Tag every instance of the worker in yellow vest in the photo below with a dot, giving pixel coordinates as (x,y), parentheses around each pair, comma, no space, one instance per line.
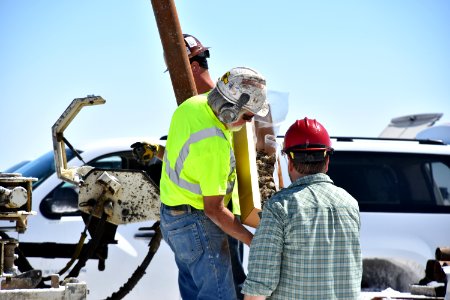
(199,178)
(145,152)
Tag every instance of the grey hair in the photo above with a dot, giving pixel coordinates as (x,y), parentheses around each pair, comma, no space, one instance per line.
(216,101)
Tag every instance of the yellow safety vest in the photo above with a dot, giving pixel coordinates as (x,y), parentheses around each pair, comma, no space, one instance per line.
(199,159)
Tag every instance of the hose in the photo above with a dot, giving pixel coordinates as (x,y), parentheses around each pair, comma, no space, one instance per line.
(153,245)
(92,246)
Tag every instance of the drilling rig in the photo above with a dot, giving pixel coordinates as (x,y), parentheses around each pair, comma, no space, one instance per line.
(15,208)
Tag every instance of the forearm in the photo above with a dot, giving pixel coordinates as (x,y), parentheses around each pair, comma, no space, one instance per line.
(248,297)
(228,222)
(265,257)
(160,153)
(232,226)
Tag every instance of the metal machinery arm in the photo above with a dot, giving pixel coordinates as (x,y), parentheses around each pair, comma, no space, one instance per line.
(115,196)
(64,173)
(126,196)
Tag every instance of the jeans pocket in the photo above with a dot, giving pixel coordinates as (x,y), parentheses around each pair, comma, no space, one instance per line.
(186,243)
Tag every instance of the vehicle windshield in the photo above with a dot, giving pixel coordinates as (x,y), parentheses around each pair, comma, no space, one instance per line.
(15,167)
(42,167)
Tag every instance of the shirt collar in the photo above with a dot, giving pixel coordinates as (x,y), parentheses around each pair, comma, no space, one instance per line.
(310,179)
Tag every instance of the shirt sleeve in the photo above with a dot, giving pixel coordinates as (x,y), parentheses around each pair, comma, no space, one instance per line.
(265,254)
(208,164)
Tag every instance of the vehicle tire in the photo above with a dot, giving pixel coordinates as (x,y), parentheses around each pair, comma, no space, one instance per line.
(380,274)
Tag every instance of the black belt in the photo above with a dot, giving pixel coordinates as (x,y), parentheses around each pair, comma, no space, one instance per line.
(181,207)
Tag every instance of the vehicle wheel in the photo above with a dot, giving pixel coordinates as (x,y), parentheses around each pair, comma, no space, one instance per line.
(380,274)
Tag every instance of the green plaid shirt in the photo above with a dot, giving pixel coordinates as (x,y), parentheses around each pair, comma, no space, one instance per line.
(307,244)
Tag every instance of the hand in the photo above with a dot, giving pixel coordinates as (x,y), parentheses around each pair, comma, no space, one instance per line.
(144,152)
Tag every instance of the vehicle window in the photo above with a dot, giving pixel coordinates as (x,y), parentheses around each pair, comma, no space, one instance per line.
(42,167)
(63,200)
(441,178)
(108,162)
(391,182)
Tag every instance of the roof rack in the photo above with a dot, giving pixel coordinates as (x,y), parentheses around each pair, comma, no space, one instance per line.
(351,139)
(420,141)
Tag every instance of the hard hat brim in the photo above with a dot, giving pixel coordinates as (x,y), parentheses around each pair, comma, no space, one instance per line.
(264,110)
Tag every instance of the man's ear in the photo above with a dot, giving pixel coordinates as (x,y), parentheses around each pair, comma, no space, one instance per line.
(195,67)
(327,163)
(290,165)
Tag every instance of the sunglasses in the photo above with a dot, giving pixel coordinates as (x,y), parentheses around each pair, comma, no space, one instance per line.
(246,117)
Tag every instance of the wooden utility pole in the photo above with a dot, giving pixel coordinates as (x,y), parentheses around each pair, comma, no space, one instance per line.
(174,49)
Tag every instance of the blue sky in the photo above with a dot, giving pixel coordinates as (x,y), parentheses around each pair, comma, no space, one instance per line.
(352,65)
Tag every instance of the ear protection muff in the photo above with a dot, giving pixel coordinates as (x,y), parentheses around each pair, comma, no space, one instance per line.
(229,112)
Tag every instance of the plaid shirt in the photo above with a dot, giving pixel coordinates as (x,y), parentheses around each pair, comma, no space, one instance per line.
(307,244)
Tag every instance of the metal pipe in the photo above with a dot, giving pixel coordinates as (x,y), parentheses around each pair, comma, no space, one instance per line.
(174,49)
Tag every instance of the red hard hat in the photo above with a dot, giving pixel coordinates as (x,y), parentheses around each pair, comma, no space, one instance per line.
(193,46)
(306,135)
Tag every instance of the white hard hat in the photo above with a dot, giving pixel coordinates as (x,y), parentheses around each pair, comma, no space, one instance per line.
(242,80)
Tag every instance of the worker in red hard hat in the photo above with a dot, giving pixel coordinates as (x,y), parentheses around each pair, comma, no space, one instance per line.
(308,146)
(307,244)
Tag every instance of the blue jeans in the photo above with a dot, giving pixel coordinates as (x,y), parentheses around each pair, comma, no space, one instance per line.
(237,257)
(201,253)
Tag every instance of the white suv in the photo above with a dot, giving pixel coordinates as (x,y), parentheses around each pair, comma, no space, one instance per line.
(402,187)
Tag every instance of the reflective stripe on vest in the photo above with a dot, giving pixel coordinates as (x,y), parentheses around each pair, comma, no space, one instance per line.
(174,174)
